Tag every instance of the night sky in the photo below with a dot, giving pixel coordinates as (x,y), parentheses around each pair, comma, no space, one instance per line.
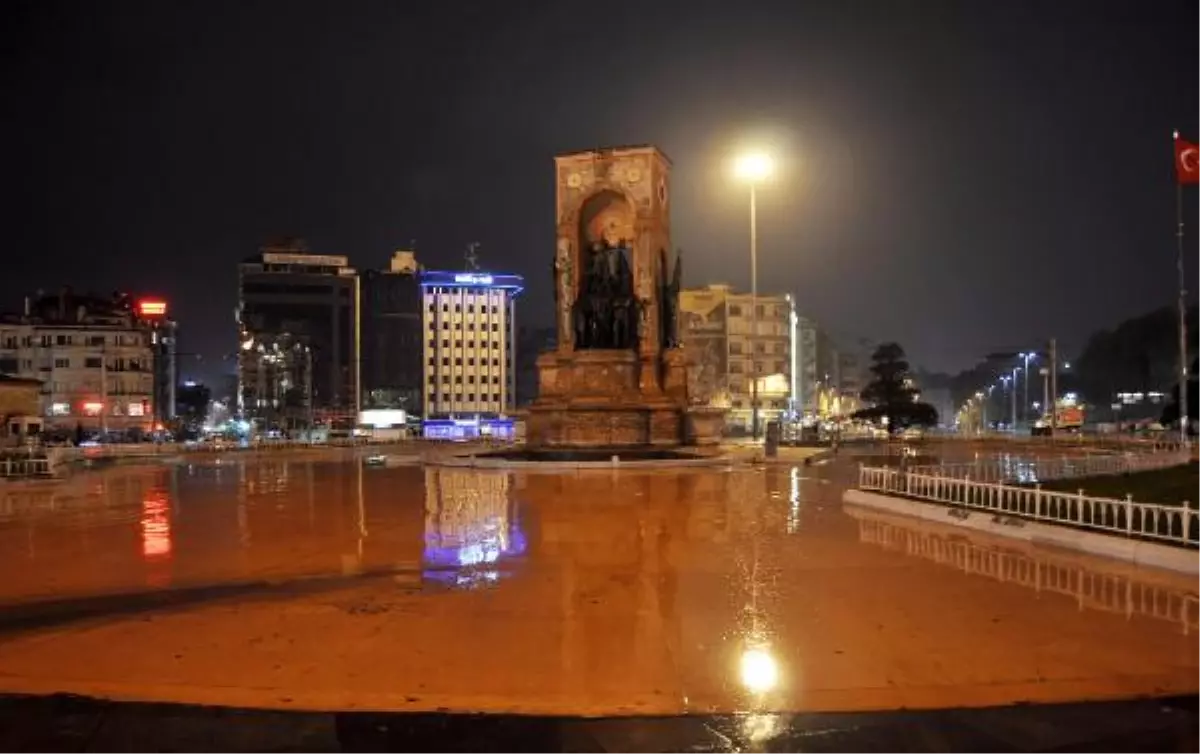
(962,177)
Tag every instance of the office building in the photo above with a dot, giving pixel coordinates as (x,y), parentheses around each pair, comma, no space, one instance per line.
(298,357)
(392,373)
(469,352)
(732,340)
(95,358)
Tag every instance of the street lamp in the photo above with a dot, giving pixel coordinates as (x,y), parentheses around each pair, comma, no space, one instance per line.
(753,168)
(1028,357)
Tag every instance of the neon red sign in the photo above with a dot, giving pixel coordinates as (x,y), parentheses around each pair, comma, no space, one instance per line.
(152,308)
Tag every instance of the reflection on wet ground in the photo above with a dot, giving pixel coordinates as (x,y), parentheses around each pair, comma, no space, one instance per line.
(283,583)
(1092,585)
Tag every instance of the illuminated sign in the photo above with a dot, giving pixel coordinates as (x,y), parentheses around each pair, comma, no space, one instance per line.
(472,279)
(382,418)
(308,260)
(152,308)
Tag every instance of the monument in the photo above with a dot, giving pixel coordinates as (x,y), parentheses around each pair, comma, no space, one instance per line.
(618,376)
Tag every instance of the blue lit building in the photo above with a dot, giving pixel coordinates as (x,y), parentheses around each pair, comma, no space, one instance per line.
(468,323)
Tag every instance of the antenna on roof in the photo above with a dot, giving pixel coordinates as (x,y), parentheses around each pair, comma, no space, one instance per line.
(472,256)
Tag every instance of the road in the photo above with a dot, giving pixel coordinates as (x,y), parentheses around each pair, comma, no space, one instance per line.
(321,584)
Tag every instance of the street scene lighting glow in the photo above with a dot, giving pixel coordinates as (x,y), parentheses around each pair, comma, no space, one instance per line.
(754,166)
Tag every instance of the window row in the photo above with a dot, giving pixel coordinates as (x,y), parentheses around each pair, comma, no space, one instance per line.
(48,341)
(458,379)
(494,344)
(470,361)
(470,308)
(461,397)
(483,326)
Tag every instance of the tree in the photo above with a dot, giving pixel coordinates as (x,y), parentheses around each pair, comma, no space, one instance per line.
(892,394)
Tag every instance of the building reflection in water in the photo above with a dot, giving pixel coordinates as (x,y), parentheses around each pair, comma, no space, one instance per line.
(1111,592)
(156,526)
(470,526)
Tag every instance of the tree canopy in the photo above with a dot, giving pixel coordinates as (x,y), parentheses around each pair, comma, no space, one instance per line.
(892,394)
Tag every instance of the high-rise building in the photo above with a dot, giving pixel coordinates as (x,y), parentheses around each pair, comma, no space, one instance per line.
(95,357)
(298,359)
(817,361)
(734,339)
(392,373)
(469,352)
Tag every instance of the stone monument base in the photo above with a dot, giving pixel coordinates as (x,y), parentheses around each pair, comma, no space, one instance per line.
(603,398)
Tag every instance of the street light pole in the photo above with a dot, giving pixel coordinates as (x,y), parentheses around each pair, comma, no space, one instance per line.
(753,168)
(1025,403)
(753,311)
(1014,401)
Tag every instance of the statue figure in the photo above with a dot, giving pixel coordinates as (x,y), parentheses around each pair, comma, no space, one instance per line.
(603,311)
(564,287)
(671,303)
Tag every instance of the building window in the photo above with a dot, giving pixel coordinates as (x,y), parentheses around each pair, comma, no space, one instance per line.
(92,362)
(62,363)
(445,379)
(136,408)
(458,308)
(60,409)
(47,341)
(758,367)
(445,325)
(445,307)
(779,347)
(735,368)
(458,379)
(735,349)
(470,396)
(445,361)
(735,310)
(495,327)
(471,361)
(496,397)
(63,340)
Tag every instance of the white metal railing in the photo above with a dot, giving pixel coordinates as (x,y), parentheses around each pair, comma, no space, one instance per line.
(1176,524)
(1027,469)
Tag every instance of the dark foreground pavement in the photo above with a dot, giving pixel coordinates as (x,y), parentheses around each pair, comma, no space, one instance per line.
(65,723)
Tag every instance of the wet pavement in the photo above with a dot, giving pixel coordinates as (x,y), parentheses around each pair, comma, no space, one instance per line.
(323,585)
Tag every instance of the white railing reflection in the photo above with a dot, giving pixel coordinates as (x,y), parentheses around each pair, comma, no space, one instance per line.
(1094,590)
(1029,469)
(1176,524)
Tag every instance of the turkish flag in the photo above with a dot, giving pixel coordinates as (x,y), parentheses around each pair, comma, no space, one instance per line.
(1187,161)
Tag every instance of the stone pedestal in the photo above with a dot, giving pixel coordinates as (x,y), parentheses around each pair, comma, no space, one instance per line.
(596,399)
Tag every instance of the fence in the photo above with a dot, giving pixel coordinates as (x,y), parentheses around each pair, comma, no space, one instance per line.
(1027,469)
(1164,523)
(23,466)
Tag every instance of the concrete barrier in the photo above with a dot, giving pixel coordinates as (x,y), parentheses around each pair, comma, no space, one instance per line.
(1152,554)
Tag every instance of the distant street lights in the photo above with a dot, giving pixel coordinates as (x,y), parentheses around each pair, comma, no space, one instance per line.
(753,168)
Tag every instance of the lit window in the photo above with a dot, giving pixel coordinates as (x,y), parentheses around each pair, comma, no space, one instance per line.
(60,409)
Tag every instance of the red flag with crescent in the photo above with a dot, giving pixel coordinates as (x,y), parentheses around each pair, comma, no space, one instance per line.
(1187,161)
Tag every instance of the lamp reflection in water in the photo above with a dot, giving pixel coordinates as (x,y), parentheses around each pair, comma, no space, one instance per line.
(760,672)
(470,525)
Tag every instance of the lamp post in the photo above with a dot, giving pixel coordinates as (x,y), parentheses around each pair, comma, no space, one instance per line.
(753,168)
(1028,357)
